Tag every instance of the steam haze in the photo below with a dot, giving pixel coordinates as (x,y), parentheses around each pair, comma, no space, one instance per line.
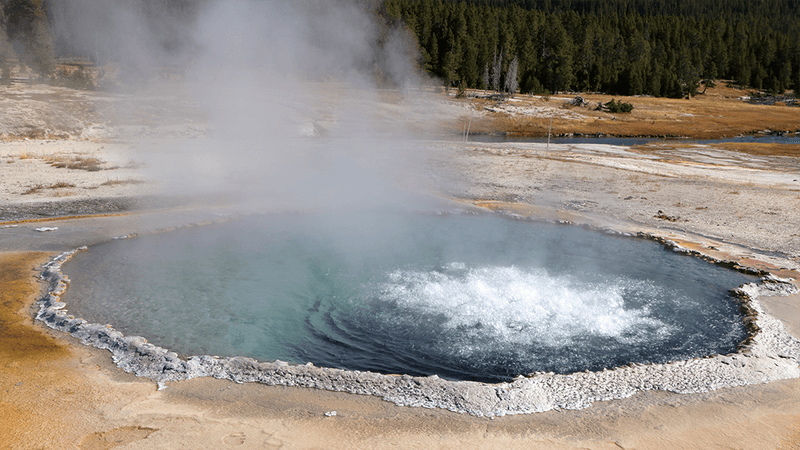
(288,89)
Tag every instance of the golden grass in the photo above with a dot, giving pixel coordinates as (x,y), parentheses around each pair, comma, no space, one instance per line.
(61,161)
(718,113)
(40,187)
(87,163)
(117,182)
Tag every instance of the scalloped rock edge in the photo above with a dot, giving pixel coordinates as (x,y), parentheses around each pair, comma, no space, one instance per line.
(769,354)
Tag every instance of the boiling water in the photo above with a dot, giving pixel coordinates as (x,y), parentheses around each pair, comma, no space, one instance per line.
(477,297)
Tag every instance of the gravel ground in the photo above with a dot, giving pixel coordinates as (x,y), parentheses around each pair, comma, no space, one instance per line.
(710,193)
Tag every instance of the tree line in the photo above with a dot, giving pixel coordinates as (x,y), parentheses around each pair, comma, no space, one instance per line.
(24,31)
(139,36)
(626,47)
(623,47)
(37,31)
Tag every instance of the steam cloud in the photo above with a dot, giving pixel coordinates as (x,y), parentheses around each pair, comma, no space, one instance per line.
(289,90)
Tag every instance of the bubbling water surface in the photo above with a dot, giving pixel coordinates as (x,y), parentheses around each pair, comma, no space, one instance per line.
(478,297)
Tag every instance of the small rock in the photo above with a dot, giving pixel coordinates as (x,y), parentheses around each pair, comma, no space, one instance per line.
(663,216)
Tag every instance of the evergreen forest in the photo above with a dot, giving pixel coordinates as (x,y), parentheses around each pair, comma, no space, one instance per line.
(662,48)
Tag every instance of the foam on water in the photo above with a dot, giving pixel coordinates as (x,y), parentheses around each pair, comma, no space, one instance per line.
(506,319)
(515,306)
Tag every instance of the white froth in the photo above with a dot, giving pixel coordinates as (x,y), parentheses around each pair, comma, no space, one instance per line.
(509,305)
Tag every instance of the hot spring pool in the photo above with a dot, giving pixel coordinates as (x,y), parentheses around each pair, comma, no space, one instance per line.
(464,296)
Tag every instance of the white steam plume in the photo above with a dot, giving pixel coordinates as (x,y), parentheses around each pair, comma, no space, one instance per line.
(288,89)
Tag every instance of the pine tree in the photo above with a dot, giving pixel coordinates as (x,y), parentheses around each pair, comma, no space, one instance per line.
(785,77)
(451,61)
(557,56)
(469,70)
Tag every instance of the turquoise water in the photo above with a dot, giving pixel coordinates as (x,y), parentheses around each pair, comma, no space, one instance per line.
(463,296)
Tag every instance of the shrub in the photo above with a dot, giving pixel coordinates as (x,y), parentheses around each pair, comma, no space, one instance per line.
(462,90)
(618,107)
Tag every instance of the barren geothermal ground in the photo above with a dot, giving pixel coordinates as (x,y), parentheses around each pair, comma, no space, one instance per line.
(75,169)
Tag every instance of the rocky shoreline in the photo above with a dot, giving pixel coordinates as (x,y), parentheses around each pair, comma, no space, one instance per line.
(58,209)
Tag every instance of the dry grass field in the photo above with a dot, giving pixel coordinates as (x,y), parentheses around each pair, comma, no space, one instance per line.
(718,113)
